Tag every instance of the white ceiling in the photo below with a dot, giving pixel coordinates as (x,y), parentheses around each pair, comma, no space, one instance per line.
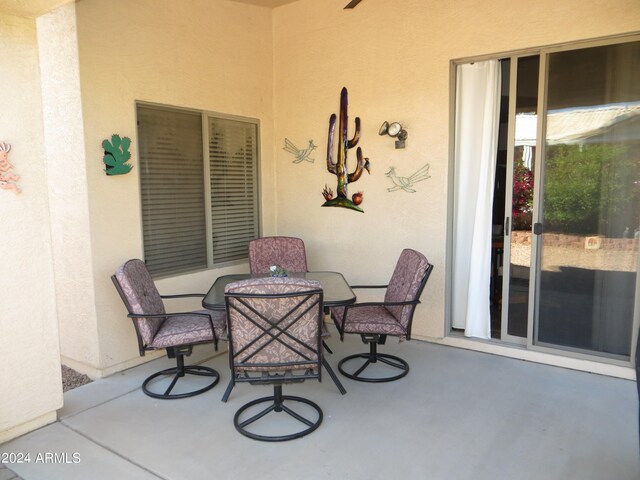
(34,8)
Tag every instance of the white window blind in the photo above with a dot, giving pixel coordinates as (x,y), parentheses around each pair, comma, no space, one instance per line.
(234,206)
(174,191)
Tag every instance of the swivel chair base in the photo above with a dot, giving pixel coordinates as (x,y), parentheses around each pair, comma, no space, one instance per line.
(178,372)
(374,357)
(277,404)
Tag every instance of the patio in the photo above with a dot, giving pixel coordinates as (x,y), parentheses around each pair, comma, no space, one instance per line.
(457,415)
(76,73)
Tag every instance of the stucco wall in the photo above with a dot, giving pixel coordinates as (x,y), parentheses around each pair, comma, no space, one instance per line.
(30,375)
(211,55)
(394,58)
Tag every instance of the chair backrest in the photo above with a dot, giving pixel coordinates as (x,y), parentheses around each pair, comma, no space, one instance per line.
(288,252)
(140,295)
(274,324)
(407,282)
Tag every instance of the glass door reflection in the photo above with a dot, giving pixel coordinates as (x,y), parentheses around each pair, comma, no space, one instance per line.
(590,201)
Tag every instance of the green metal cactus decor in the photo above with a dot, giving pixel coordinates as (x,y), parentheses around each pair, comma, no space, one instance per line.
(116,155)
(339,168)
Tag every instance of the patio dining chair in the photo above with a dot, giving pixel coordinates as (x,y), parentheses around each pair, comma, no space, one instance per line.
(176,333)
(287,252)
(274,339)
(374,321)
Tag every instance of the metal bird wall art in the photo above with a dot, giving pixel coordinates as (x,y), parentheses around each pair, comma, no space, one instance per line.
(300,154)
(406,183)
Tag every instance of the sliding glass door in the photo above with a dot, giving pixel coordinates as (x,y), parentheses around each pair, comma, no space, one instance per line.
(565,225)
(589,209)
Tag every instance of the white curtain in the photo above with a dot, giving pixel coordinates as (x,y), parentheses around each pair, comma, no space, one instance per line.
(476,146)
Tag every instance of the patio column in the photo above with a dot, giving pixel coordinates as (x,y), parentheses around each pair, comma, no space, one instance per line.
(68,188)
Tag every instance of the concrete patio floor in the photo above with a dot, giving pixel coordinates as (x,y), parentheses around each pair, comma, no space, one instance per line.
(457,415)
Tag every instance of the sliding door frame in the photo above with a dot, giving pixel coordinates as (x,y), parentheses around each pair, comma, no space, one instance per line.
(508,200)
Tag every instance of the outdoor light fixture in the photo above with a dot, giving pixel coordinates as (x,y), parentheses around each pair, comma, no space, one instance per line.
(394,130)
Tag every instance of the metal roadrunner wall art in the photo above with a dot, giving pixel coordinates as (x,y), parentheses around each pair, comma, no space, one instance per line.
(300,154)
(406,183)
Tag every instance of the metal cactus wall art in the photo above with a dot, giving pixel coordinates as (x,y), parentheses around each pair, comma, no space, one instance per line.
(116,155)
(7,178)
(339,167)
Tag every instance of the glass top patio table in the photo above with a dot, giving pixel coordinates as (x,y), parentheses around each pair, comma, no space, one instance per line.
(336,290)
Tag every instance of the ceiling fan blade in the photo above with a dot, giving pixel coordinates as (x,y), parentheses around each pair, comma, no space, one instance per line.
(352,4)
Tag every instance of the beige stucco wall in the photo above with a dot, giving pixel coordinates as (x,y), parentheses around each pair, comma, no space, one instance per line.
(211,55)
(30,375)
(395,61)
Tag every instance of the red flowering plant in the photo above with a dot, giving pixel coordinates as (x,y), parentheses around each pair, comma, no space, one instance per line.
(522,202)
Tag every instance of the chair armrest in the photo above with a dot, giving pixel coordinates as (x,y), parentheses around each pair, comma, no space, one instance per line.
(172,314)
(383,304)
(148,315)
(184,295)
(368,286)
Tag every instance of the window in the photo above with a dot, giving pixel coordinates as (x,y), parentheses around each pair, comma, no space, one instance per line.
(199,188)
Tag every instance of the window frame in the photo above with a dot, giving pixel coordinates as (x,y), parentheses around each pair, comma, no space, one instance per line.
(205,115)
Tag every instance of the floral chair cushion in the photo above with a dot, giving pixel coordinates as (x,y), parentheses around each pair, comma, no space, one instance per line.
(253,322)
(374,319)
(141,296)
(288,252)
(405,284)
(189,329)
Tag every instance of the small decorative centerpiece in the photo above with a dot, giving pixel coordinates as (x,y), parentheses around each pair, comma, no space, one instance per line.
(277,271)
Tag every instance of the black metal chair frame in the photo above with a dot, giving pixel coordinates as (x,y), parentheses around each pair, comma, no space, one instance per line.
(177,352)
(277,400)
(374,339)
